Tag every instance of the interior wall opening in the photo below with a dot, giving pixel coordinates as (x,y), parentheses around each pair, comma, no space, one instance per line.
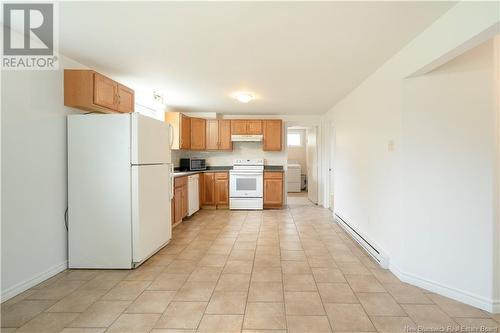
(302,165)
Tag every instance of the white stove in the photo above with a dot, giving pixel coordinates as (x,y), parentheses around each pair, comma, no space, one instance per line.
(246,184)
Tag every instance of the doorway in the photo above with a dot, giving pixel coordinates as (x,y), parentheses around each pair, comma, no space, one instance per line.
(302,165)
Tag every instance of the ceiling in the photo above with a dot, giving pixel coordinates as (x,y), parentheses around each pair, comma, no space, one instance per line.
(297,57)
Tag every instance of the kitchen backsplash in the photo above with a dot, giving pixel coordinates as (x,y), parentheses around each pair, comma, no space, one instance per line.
(240,150)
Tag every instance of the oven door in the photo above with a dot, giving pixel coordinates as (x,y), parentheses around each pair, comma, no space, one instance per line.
(246,184)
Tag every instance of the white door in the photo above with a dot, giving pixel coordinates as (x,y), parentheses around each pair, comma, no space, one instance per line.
(150,140)
(151,194)
(312,165)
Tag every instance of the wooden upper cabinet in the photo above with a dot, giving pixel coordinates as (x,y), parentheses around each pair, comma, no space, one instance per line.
(254,127)
(273,135)
(238,127)
(105,92)
(125,99)
(273,189)
(218,135)
(181,130)
(212,140)
(198,134)
(185,132)
(225,142)
(215,134)
(243,126)
(90,91)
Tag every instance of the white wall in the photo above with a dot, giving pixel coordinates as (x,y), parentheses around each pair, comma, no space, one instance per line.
(414,158)
(497,168)
(298,154)
(447,158)
(34,239)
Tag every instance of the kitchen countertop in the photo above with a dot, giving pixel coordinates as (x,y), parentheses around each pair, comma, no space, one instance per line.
(178,173)
(273,168)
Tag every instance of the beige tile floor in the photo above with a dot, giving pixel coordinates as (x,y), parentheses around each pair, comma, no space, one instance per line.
(290,270)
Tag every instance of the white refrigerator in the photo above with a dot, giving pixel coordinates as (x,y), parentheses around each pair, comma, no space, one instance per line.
(120,183)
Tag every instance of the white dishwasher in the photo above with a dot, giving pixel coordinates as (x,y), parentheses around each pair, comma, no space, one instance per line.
(193,194)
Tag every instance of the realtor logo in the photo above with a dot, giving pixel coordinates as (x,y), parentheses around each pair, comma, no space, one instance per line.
(28,36)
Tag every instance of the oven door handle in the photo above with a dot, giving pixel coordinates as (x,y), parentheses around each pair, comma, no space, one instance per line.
(246,173)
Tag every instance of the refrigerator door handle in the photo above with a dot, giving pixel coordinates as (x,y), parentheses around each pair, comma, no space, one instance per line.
(171,181)
(171,134)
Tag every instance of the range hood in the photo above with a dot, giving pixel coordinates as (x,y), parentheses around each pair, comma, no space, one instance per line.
(247,138)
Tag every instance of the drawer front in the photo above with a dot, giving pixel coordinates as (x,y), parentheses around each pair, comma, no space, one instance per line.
(221,175)
(273,175)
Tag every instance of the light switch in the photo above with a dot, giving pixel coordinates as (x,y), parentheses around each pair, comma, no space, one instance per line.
(390,146)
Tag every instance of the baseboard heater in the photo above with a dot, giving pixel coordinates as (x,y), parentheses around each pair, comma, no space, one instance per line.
(370,248)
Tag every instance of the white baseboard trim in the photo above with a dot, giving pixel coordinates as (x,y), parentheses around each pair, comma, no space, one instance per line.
(373,250)
(25,285)
(496,306)
(463,296)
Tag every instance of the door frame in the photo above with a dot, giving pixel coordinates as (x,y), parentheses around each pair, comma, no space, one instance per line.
(331,168)
(319,155)
(315,162)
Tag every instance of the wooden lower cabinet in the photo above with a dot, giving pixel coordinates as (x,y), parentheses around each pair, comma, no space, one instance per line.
(207,196)
(221,184)
(177,205)
(180,201)
(215,191)
(273,189)
(184,201)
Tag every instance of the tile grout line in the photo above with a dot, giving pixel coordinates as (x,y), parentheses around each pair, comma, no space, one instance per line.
(314,278)
(251,274)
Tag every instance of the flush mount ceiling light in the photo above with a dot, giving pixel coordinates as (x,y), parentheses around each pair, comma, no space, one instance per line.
(243,96)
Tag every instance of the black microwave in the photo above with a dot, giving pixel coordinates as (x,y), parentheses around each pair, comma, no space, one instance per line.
(193,164)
